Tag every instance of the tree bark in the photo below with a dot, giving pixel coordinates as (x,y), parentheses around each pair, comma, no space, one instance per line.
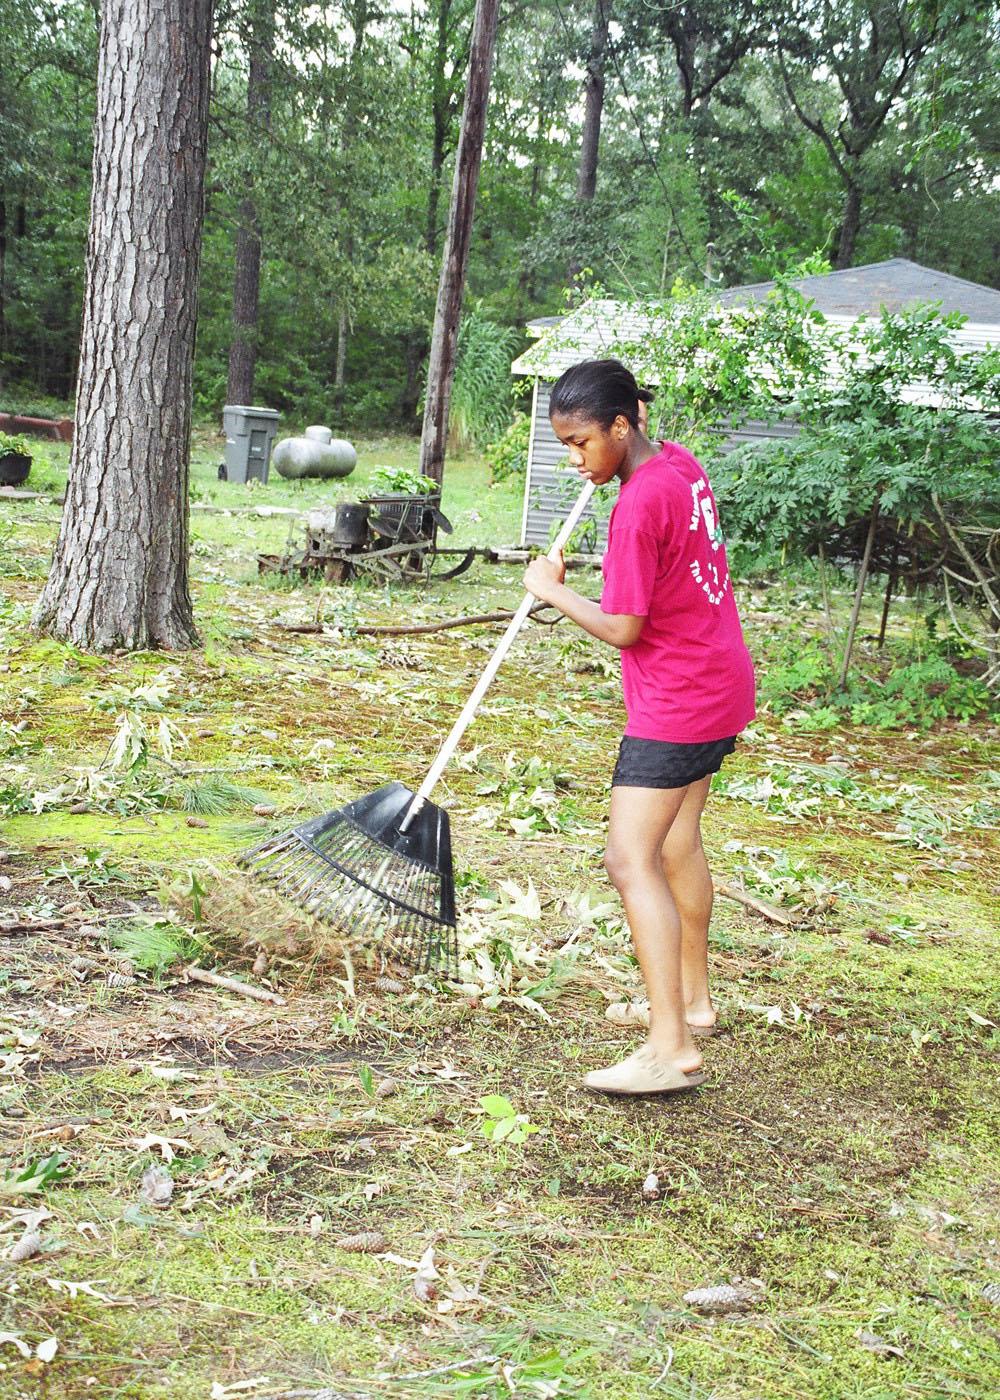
(593,91)
(246,281)
(119,577)
(441,369)
(849,228)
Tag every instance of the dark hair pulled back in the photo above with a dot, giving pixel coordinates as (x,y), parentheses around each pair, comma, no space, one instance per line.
(598,391)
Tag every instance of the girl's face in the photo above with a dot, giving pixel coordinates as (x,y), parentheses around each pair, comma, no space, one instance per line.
(597,453)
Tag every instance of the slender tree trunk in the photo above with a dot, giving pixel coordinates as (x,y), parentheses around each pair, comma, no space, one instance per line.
(441,122)
(593,110)
(441,370)
(359,15)
(593,90)
(3,276)
(849,227)
(246,281)
(338,373)
(119,577)
(859,593)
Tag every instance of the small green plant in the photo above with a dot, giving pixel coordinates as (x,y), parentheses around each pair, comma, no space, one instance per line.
(215,794)
(35,1177)
(93,869)
(401,481)
(503,1123)
(16,443)
(154,943)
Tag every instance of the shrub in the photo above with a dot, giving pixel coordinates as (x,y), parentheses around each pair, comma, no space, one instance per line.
(508,455)
(480,394)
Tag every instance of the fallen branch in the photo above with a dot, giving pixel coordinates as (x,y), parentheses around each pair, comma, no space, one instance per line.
(12,926)
(373,630)
(759,906)
(231,984)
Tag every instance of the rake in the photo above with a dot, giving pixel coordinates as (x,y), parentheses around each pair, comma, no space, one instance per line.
(380,869)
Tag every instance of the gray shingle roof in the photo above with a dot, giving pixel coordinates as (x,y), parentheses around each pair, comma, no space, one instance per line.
(893,284)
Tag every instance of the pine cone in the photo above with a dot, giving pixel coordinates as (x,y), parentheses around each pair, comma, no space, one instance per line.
(368,1242)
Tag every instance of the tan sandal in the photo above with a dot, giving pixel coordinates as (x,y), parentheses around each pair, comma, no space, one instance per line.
(636,1013)
(643,1073)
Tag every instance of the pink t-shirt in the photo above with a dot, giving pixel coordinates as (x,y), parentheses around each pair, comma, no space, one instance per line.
(689,678)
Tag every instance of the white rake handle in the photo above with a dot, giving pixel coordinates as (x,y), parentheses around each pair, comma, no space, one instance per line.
(492,666)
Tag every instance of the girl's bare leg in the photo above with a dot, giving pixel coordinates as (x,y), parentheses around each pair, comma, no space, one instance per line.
(640,821)
(687,874)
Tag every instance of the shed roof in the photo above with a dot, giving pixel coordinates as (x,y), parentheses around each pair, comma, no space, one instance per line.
(843,297)
(893,285)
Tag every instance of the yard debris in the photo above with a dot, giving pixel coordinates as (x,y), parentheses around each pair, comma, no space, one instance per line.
(725,1297)
(991,1294)
(264,809)
(83,968)
(391,986)
(222,1392)
(759,906)
(164,1145)
(261,963)
(425,1279)
(120,979)
(367,1242)
(385,1088)
(27,1247)
(199,822)
(651,1187)
(872,1342)
(157,1187)
(75,1286)
(230,984)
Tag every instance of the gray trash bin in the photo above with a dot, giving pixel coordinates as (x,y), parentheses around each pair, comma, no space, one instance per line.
(249,435)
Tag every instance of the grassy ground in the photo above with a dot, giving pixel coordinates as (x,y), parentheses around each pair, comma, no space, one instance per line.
(843,1156)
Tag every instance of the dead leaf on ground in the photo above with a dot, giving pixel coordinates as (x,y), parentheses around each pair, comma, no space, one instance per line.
(164,1145)
(871,1341)
(157,1187)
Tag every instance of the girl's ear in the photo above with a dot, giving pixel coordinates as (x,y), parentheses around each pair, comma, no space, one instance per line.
(620,427)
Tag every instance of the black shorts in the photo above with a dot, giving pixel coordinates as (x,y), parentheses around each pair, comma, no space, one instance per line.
(655,763)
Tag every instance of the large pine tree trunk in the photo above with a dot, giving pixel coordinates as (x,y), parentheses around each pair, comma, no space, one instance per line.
(246,282)
(119,577)
(441,369)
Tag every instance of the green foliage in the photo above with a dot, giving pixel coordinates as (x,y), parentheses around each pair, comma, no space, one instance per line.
(919,694)
(862,440)
(481,391)
(154,943)
(508,455)
(503,1123)
(37,1176)
(14,443)
(215,794)
(387,481)
(94,869)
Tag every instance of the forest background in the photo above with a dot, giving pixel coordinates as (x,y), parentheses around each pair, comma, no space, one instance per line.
(618,132)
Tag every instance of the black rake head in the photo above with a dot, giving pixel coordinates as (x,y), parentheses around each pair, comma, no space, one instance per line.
(354,869)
